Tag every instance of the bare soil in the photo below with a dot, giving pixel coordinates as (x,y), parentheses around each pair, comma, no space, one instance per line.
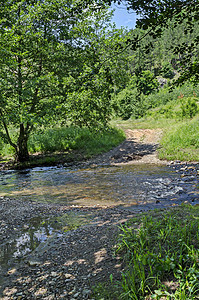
(67,266)
(140,147)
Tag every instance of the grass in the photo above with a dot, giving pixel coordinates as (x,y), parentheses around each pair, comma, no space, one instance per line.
(161,254)
(143,123)
(83,140)
(181,141)
(66,144)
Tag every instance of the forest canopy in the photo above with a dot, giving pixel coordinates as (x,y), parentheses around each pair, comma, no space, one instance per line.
(64,62)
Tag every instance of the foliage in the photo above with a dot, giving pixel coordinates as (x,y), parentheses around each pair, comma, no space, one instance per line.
(165,95)
(167,71)
(189,107)
(53,58)
(74,138)
(145,82)
(181,142)
(183,108)
(155,16)
(127,103)
(130,101)
(161,256)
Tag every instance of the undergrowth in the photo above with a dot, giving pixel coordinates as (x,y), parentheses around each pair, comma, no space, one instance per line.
(74,138)
(161,254)
(181,141)
(70,139)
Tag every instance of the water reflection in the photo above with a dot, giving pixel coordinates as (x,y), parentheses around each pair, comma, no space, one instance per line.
(133,185)
(36,231)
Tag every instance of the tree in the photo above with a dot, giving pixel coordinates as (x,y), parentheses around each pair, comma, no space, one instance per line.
(47,57)
(155,16)
(89,95)
(31,34)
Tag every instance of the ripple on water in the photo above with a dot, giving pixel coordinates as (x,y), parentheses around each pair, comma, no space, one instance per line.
(115,185)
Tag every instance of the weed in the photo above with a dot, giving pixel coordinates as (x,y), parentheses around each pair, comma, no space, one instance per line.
(181,142)
(69,139)
(161,256)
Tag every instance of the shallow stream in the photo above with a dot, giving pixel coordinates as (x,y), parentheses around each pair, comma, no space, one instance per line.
(116,185)
(133,187)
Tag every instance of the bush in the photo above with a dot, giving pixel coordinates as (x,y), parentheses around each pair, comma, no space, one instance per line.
(189,107)
(167,71)
(128,104)
(146,83)
(184,108)
(164,95)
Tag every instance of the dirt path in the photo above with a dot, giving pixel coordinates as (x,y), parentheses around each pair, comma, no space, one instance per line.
(68,265)
(140,147)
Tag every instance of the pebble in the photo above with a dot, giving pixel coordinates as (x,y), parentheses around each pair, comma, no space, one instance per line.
(60,282)
(86,293)
(76,295)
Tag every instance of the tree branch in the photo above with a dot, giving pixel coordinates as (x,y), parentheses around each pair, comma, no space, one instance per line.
(7,132)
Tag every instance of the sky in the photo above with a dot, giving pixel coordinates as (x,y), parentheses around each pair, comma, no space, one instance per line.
(122,17)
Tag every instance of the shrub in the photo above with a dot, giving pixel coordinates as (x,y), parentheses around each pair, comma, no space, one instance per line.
(164,95)
(167,71)
(146,83)
(128,104)
(189,107)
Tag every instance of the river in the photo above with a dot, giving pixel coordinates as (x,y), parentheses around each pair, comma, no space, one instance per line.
(136,186)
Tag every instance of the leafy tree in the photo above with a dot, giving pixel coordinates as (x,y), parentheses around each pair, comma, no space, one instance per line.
(47,57)
(130,101)
(145,82)
(89,95)
(31,42)
(155,16)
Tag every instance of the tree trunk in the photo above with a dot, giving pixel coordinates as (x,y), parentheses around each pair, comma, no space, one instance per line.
(22,145)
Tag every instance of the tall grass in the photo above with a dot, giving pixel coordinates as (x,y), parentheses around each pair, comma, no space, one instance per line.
(75,138)
(161,253)
(181,141)
(165,95)
(70,139)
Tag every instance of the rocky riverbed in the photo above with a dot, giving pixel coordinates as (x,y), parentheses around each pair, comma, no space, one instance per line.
(68,263)
(52,251)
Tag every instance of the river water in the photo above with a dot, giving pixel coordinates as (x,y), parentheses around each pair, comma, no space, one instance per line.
(138,186)
(132,187)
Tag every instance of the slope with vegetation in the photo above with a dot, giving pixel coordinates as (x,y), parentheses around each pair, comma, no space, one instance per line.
(58,70)
(65,71)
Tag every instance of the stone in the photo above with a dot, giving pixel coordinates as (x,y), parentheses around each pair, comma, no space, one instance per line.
(86,292)
(76,295)
(33,263)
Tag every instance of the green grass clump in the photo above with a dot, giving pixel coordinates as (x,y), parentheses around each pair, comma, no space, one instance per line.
(82,140)
(182,108)
(165,95)
(144,123)
(181,142)
(161,252)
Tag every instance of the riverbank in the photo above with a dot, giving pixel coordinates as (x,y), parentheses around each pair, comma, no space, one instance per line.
(68,263)
(60,252)
(75,250)
(140,146)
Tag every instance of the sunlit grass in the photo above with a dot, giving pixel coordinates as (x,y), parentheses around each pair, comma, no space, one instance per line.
(181,141)
(144,123)
(161,253)
(85,142)
(73,138)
